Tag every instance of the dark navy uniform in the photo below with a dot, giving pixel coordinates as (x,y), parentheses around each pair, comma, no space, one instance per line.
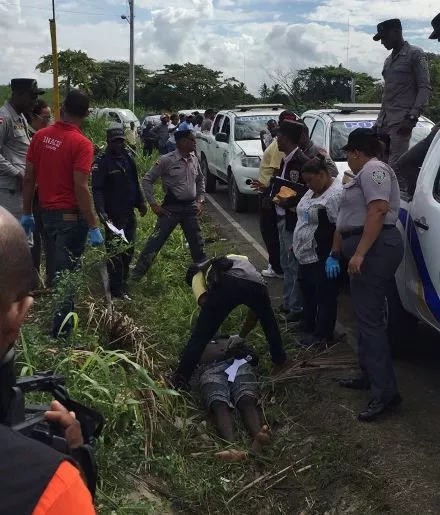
(117,192)
(375,181)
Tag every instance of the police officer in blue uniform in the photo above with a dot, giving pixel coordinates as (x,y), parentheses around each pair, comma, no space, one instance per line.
(370,241)
(117,192)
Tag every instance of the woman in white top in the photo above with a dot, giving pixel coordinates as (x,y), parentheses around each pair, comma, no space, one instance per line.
(312,241)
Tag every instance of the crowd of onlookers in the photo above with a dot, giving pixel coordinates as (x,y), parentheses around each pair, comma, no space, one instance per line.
(161,136)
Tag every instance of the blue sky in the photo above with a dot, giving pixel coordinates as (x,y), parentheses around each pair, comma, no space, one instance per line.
(252,40)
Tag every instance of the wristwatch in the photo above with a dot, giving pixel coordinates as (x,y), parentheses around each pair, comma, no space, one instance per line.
(412,117)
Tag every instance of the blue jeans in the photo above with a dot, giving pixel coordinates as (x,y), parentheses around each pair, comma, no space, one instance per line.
(290,266)
(67,233)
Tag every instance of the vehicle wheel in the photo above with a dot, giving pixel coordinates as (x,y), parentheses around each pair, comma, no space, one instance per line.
(239,202)
(401,325)
(210,180)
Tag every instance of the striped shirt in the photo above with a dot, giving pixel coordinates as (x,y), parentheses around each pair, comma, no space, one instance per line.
(305,238)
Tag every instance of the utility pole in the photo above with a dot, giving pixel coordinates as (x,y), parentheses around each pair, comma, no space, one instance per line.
(131,82)
(53,37)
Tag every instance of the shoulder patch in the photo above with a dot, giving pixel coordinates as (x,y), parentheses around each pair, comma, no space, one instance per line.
(378,176)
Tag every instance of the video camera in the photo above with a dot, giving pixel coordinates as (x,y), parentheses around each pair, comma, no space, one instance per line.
(28,419)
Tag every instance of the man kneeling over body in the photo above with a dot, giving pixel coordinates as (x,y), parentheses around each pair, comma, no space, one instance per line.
(220,285)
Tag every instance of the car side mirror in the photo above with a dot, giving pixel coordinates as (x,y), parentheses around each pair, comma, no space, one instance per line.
(222,137)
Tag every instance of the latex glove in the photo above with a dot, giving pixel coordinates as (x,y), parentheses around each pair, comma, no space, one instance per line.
(332,268)
(234,340)
(95,237)
(28,223)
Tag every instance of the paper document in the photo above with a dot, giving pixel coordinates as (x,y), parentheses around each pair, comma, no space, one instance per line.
(115,230)
(233,369)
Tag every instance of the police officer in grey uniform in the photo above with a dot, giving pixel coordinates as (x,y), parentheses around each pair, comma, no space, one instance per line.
(369,240)
(407,88)
(184,188)
(14,142)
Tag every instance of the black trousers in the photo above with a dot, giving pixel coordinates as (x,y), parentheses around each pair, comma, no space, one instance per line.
(186,216)
(319,300)
(225,296)
(368,291)
(269,232)
(120,252)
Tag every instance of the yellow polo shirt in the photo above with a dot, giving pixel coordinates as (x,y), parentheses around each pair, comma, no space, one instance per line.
(270,163)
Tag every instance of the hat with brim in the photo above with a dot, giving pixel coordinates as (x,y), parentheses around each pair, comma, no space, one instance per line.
(436,26)
(357,137)
(115,134)
(26,85)
(385,26)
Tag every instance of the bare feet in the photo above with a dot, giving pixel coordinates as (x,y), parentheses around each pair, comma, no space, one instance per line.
(261,439)
(231,455)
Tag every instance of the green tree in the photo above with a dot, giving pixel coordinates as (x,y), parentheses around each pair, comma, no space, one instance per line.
(433,111)
(110,81)
(264,91)
(75,66)
(192,86)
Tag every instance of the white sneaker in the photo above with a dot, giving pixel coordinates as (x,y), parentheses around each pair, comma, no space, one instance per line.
(270,273)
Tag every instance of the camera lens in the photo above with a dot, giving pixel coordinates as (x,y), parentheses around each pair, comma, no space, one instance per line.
(248,182)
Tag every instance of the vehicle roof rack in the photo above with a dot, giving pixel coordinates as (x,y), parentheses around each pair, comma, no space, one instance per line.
(351,108)
(248,107)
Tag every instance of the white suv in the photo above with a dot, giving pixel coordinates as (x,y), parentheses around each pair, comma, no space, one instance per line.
(329,128)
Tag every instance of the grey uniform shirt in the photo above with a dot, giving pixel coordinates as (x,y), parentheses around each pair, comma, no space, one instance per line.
(14,144)
(180,176)
(407,85)
(244,269)
(375,181)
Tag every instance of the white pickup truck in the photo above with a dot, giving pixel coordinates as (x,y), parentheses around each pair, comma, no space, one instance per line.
(231,152)
(416,294)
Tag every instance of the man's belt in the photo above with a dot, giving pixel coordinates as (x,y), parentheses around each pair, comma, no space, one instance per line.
(359,230)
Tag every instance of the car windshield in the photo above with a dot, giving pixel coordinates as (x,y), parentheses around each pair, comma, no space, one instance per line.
(249,127)
(128,116)
(341,130)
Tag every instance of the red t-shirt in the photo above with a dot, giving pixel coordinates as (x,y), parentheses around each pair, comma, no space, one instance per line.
(56,152)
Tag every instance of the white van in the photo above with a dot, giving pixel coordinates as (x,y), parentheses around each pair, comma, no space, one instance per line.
(119,116)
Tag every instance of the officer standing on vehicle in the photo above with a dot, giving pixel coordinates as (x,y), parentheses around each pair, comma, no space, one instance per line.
(407,88)
(366,234)
(14,142)
(117,192)
(184,188)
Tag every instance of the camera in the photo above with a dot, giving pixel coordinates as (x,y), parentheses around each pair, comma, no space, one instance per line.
(28,419)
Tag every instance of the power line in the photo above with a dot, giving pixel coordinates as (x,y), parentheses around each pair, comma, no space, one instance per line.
(96,13)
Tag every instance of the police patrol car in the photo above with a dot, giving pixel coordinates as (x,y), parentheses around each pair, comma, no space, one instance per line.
(231,152)
(415,297)
(329,128)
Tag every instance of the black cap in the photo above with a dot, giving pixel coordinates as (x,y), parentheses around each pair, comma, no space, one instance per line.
(385,26)
(357,137)
(436,26)
(24,85)
(114,134)
(178,135)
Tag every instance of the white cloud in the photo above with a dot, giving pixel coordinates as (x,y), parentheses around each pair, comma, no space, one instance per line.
(228,35)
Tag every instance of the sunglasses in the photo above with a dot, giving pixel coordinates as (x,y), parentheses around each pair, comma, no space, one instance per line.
(46,119)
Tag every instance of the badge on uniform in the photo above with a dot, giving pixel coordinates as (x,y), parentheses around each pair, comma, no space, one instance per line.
(378,176)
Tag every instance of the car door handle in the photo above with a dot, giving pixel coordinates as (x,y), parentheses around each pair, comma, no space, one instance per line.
(422,224)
